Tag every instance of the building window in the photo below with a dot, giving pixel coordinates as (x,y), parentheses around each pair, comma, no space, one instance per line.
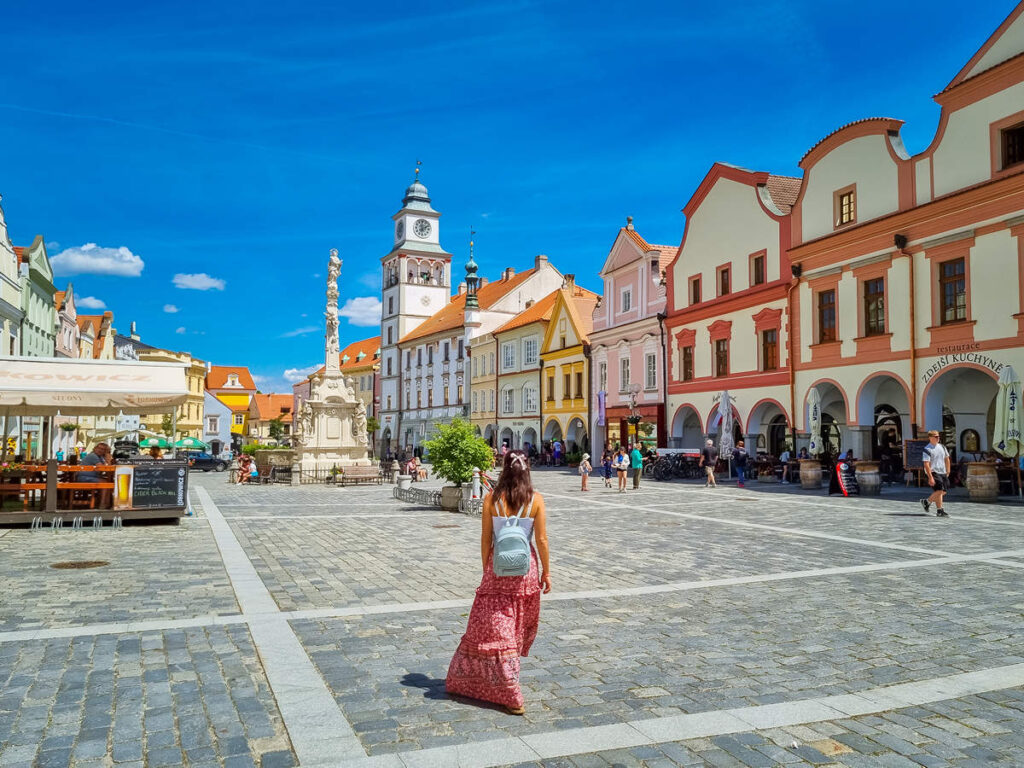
(213,423)
(474,402)
(530,351)
(627,301)
(458,393)
(391,305)
(874,307)
(757,276)
(845,204)
(474,366)
(408,360)
(578,391)
(826,316)
(769,350)
(446,349)
(561,342)
(508,356)
(389,402)
(687,363)
(430,397)
(239,418)
(551,387)
(624,374)
(1013,145)
(508,400)
(419,398)
(602,377)
(446,394)
(695,290)
(529,398)
(390,337)
(430,354)
(419,356)
(724,281)
(722,357)
(651,371)
(490,397)
(389,366)
(566,386)
(462,348)
(953,287)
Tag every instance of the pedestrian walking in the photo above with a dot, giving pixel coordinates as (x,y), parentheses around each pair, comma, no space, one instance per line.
(636,463)
(621,463)
(708,459)
(506,611)
(784,461)
(585,470)
(556,449)
(739,460)
(606,465)
(936,466)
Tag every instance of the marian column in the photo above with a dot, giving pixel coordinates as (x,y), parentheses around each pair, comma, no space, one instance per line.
(331,426)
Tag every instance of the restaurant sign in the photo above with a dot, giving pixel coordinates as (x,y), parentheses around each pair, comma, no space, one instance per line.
(960,358)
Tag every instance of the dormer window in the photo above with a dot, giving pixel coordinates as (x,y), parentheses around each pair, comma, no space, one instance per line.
(845,206)
(1013,145)
(233,380)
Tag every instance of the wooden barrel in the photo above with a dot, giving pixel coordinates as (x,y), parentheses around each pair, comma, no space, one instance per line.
(868,478)
(982,482)
(810,474)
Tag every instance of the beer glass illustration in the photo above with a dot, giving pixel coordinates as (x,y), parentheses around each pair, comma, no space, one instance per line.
(123,487)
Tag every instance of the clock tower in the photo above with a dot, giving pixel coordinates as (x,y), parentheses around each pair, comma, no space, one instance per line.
(416,284)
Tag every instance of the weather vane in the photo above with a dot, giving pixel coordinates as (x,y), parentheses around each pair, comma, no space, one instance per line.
(418,164)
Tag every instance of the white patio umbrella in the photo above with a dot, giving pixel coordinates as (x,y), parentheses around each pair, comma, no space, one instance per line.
(1007,437)
(725,444)
(814,422)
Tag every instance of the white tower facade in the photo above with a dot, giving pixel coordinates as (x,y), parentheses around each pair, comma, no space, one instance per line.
(416,284)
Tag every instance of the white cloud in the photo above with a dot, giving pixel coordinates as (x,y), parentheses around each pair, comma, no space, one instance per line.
(300,331)
(90,302)
(362,311)
(198,282)
(180,330)
(53,245)
(91,259)
(295,375)
(170,309)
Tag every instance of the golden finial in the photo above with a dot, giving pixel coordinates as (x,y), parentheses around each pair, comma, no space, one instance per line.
(418,164)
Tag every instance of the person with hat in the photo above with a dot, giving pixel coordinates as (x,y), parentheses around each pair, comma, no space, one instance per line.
(585,470)
(936,467)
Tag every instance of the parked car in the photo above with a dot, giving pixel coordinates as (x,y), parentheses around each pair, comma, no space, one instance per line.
(206,462)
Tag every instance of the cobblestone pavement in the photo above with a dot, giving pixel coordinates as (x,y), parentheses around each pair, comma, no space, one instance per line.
(730,627)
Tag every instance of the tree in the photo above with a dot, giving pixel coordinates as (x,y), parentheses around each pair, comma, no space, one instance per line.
(372,425)
(455,450)
(276,429)
(167,425)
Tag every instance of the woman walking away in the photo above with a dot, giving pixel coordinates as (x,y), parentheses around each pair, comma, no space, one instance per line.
(505,614)
(739,460)
(606,465)
(585,470)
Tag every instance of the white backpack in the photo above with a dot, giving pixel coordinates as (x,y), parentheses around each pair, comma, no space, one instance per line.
(512,544)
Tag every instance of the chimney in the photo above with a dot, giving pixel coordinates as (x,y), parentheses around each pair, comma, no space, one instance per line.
(462,287)
(569,282)
(540,260)
(508,274)
(484,281)
(529,303)
(133,333)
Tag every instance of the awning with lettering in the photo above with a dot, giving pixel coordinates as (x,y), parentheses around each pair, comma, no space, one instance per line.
(41,386)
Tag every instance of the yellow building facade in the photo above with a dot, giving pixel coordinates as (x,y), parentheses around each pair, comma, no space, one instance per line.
(565,374)
(482,397)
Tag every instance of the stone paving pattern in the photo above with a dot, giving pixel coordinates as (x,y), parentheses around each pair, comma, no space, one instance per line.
(156,571)
(193,697)
(198,696)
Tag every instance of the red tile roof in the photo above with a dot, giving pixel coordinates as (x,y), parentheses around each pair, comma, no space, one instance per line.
(217,377)
(58,300)
(22,253)
(666,252)
(369,348)
(273,405)
(98,324)
(581,305)
(539,310)
(451,316)
(784,191)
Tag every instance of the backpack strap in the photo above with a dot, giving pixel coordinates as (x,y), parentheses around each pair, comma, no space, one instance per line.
(527,508)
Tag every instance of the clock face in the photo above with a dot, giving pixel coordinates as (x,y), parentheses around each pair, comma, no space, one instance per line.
(425,300)
(399,229)
(421,228)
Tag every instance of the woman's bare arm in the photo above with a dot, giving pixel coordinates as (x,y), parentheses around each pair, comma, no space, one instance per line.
(486,530)
(540,532)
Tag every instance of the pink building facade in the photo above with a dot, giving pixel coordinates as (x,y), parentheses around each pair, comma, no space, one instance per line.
(627,346)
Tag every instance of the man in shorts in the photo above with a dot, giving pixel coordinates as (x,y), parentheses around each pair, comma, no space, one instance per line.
(936,466)
(708,459)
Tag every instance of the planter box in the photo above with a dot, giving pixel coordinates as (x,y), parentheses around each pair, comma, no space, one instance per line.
(451,495)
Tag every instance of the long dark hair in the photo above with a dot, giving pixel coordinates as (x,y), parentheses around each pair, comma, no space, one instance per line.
(514,486)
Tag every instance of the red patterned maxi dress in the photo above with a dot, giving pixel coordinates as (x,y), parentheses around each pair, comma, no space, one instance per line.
(502,627)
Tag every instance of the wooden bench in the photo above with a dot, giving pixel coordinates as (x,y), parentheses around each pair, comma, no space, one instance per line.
(359,475)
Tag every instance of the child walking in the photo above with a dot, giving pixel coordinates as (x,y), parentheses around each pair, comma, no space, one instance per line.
(585,470)
(606,464)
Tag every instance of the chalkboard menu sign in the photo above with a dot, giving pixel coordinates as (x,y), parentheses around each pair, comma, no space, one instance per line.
(160,484)
(913,453)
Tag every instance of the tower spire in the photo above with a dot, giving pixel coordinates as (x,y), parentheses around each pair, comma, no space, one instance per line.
(471,278)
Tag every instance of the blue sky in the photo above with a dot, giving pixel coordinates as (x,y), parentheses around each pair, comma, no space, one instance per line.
(233,144)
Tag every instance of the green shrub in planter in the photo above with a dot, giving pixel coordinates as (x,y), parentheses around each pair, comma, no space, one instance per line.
(455,450)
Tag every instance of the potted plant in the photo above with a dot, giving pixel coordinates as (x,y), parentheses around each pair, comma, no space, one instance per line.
(454,452)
